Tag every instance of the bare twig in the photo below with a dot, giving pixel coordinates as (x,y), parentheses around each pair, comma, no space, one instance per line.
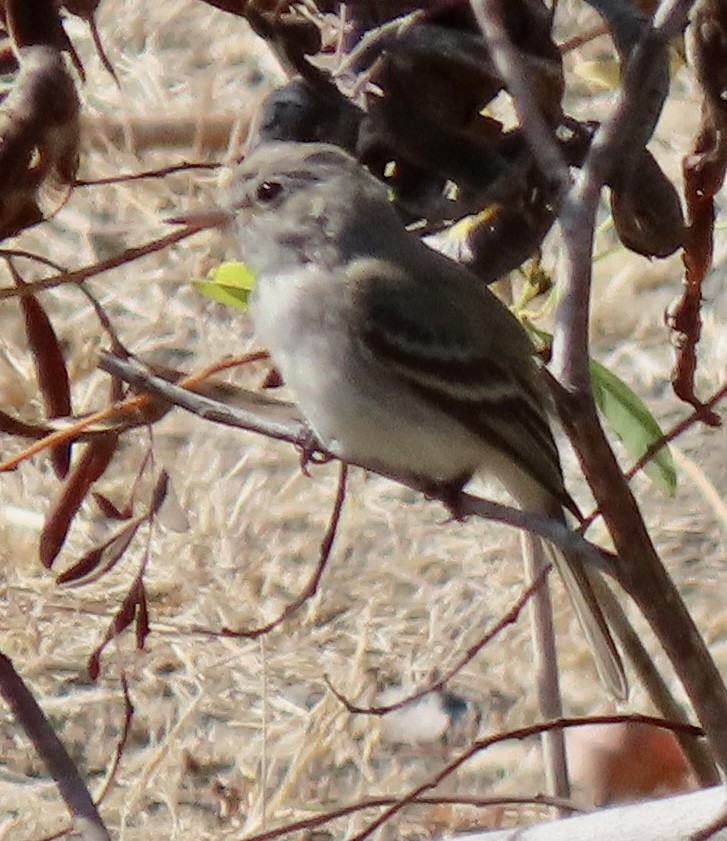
(519,734)
(508,619)
(539,134)
(378,802)
(59,764)
(651,678)
(282,422)
(624,131)
(123,739)
(134,411)
(80,275)
(712,828)
(545,668)
(671,435)
(160,172)
(311,588)
(695,417)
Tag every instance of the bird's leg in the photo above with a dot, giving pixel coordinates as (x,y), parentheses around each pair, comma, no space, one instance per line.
(449,493)
(311,451)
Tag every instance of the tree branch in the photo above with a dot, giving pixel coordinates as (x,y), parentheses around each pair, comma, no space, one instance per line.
(641,571)
(51,750)
(282,422)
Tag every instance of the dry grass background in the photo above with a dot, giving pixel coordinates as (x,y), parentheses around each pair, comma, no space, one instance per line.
(404,594)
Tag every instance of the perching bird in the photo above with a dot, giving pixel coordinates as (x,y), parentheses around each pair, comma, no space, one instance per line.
(398,357)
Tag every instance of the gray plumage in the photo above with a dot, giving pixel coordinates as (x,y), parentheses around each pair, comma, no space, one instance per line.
(397,356)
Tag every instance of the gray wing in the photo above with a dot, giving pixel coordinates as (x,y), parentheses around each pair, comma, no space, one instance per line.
(446,336)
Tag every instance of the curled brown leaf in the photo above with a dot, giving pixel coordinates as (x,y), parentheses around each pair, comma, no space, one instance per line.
(704,172)
(86,471)
(647,213)
(88,568)
(133,606)
(109,509)
(50,369)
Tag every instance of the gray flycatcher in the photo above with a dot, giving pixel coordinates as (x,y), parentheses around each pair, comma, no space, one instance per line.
(397,356)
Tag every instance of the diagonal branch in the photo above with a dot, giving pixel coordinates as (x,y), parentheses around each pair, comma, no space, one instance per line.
(281,421)
(50,748)
(641,570)
(628,129)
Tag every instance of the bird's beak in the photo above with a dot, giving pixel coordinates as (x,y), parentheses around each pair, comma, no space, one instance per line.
(203,217)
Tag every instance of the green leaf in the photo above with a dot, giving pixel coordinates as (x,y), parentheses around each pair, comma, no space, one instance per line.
(229,284)
(633,423)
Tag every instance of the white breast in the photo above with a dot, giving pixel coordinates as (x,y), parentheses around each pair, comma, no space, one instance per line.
(357,408)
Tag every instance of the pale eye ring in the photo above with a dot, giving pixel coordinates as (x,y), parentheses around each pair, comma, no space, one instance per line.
(268,190)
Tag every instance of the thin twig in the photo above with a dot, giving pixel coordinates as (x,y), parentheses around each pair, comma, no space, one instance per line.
(161,172)
(505,621)
(281,422)
(672,434)
(545,668)
(641,571)
(695,417)
(539,134)
(311,588)
(518,734)
(643,663)
(122,741)
(378,802)
(81,275)
(134,411)
(614,140)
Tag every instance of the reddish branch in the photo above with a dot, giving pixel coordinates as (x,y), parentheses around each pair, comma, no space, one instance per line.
(508,619)
(519,734)
(704,173)
(311,588)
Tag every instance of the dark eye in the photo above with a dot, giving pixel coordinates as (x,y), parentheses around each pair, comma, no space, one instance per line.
(268,190)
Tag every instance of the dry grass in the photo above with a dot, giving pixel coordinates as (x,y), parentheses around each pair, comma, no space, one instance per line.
(404,594)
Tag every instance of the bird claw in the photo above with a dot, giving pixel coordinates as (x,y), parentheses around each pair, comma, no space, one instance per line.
(311,452)
(449,493)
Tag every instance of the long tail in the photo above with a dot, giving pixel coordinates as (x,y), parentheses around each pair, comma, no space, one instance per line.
(534,496)
(578,585)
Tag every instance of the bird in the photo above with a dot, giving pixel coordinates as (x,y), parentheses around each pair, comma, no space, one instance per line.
(398,357)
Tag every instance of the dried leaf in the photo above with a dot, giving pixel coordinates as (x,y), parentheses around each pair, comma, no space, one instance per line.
(86,9)
(85,565)
(133,606)
(110,552)
(113,550)
(108,509)
(39,136)
(273,379)
(171,514)
(159,493)
(50,369)
(142,618)
(704,172)
(13,426)
(646,210)
(93,462)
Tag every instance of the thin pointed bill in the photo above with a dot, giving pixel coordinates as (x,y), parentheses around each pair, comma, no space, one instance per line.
(204,217)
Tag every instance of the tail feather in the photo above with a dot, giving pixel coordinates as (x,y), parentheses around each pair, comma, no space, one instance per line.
(575,575)
(607,658)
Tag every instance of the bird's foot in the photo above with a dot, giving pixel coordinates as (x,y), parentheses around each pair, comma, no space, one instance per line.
(311,451)
(450,494)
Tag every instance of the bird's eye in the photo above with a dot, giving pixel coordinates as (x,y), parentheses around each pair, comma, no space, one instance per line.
(268,190)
